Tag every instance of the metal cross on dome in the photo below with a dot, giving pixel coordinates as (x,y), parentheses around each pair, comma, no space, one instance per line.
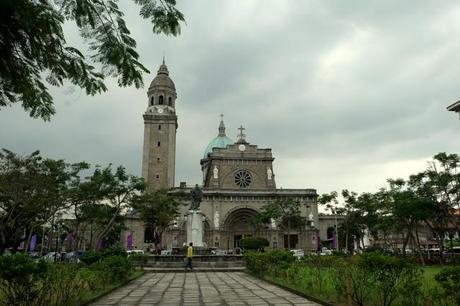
(241,136)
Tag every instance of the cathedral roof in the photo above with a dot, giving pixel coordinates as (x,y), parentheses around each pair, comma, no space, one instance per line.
(221,141)
(162,79)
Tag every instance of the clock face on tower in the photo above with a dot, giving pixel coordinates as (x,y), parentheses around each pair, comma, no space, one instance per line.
(241,147)
(160,111)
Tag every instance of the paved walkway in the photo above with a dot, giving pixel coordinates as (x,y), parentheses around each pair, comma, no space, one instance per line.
(201,288)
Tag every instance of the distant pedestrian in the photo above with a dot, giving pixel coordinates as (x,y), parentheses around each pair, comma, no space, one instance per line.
(189,256)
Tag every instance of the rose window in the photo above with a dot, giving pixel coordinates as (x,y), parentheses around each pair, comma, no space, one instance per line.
(242,179)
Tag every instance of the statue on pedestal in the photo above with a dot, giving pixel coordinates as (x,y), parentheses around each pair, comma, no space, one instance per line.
(197,195)
(195,218)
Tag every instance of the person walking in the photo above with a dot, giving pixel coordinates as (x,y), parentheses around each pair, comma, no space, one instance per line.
(189,256)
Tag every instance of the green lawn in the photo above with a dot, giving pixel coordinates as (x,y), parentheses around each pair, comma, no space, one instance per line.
(325,291)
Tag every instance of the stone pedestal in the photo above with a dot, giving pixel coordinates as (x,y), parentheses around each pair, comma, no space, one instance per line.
(195,229)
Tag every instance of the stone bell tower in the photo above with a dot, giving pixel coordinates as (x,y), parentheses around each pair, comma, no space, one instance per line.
(160,125)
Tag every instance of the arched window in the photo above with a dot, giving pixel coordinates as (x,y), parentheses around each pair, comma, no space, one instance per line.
(160,100)
(169,101)
(148,235)
(151,101)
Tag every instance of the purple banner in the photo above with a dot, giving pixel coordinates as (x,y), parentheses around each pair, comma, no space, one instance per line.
(129,241)
(33,243)
(49,240)
(69,241)
(318,241)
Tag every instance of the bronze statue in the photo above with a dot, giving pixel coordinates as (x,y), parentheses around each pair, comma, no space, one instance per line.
(197,195)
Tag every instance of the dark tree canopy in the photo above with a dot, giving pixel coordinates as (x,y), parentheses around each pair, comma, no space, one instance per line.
(34,51)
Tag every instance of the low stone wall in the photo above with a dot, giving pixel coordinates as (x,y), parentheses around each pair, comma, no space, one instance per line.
(201,261)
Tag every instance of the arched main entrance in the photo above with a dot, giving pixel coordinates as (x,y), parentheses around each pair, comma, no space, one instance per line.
(237,226)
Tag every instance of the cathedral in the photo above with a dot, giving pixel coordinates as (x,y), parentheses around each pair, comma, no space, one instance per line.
(239,178)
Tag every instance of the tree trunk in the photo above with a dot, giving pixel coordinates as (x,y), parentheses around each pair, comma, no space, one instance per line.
(108,227)
(406,239)
(26,244)
(289,234)
(346,242)
(419,249)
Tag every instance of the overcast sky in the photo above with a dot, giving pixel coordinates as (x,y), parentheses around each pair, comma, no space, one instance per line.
(346,93)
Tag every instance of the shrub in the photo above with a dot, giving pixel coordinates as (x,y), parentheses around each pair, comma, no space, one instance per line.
(91,257)
(114,268)
(254,243)
(21,280)
(389,275)
(449,280)
(64,283)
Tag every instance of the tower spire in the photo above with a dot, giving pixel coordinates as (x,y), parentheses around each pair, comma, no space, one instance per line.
(222,126)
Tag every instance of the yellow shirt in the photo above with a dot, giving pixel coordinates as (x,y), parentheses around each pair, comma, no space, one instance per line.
(190,251)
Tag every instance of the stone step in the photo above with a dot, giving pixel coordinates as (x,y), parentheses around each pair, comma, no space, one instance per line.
(197,269)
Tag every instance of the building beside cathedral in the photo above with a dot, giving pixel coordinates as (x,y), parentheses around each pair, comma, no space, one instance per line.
(239,178)
(454,107)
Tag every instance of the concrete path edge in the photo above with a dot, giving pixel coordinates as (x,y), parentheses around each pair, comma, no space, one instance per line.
(302,294)
(100,296)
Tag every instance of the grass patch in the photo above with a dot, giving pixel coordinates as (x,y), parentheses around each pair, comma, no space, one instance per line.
(91,296)
(325,292)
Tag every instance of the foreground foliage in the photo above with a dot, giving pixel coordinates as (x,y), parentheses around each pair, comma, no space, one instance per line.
(367,279)
(33,47)
(25,282)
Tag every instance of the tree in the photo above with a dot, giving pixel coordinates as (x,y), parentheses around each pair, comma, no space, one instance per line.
(33,47)
(408,210)
(32,190)
(157,209)
(286,212)
(440,183)
(117,189)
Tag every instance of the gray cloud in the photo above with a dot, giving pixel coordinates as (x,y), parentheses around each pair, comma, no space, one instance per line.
(345,93)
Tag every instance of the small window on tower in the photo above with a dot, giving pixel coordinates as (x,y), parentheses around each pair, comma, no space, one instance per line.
(158,144)
(160,100)
(158,159)
(159,127)
(157,176)
(169,101)
(151,101)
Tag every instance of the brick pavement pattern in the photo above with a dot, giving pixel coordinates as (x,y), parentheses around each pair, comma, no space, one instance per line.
(201,288)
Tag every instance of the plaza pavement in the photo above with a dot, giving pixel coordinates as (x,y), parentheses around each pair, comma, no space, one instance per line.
(201,288)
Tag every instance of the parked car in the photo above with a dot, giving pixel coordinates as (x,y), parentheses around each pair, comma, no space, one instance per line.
(325,251)
(52,256)
(74,256)
(166,252)
(34,255)
(129,252)
(454,250)
(434,251)
(298,253)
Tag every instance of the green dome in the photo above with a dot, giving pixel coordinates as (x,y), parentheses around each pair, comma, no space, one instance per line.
(218,142)
(221,141)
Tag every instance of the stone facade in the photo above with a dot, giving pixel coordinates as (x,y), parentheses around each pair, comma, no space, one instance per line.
(160,125)
(454,107)
(238,180)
